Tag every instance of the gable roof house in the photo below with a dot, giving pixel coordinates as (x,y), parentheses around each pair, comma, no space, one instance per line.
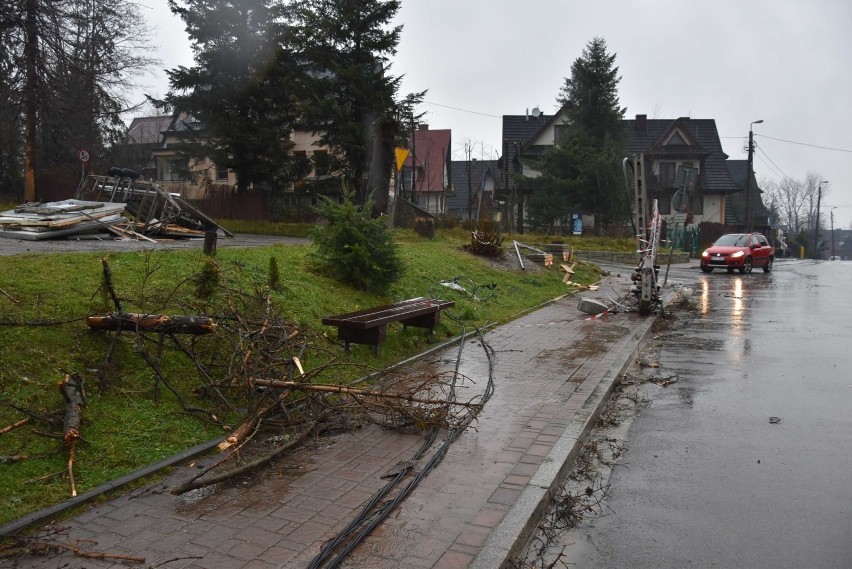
(525,137)
(473,183)
(426,171)
(143,136)
(667,144)
(200,179)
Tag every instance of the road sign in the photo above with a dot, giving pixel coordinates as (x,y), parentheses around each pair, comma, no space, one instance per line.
(83,155)
(679,218)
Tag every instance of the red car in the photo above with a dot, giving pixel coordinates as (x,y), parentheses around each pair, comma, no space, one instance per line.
(738,251)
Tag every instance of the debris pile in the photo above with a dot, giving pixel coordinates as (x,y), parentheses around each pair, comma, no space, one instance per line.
(37,221)
(119,203)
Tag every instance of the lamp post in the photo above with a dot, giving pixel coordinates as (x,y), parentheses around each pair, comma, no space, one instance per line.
(816,227)
(749,173)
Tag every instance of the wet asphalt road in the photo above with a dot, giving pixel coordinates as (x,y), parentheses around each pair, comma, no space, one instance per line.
(708,480)
(107,244)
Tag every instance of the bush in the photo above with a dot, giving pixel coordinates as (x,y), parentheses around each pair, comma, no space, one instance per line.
(354,248)
(424,226)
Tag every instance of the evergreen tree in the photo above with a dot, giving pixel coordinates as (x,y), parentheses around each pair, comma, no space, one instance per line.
(349,97)
(582,172)
(590,94)
(238,95)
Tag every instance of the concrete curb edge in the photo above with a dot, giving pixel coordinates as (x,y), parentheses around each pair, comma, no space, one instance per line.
(511,536)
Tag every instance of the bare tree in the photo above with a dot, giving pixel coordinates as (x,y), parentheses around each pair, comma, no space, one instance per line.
(795,201)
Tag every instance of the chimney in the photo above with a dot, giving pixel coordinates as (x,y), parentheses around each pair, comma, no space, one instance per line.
(642,123)
(423,127)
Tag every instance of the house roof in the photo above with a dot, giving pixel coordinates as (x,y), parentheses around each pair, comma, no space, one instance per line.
(683,138)
(147,130)
(430,150)
(480,170)
(518,131)
(735,204)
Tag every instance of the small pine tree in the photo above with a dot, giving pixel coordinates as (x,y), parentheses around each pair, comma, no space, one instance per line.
(354,248)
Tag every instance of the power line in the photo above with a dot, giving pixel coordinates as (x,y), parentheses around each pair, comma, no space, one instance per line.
(772,161)
(462,110)
(805,144)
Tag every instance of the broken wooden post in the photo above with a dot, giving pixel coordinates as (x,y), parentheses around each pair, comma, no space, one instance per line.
(210,242)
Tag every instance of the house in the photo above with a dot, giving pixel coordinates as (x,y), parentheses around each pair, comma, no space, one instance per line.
(142,138)
(199,179)
(473,183)
(426,171)
(665,144)
(525,138)
(669,144)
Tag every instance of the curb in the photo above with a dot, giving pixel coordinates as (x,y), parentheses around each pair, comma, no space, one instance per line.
(512,535)
(49,513)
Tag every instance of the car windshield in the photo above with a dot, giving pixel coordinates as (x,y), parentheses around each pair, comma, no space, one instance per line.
(732,241)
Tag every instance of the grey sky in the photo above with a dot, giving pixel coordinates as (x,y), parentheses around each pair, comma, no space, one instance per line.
(782,61)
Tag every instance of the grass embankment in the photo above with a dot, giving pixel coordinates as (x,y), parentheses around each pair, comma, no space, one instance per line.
(43,335)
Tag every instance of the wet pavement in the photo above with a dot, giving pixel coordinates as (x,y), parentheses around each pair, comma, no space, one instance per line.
(553,371)
(105,243)
(746,461)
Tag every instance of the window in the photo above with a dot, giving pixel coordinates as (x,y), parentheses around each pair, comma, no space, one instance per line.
(175,169)
(667,174)
(221,174)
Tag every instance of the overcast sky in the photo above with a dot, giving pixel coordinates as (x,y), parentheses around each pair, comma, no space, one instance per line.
(784,62)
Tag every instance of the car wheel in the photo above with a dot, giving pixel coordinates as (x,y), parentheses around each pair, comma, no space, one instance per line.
(746,268)
(767,268)
(706,269)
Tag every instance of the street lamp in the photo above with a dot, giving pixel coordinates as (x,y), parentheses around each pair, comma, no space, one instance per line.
(816,228)
(749,173)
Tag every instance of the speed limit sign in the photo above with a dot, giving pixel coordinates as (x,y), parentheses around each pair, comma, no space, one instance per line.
(83,155)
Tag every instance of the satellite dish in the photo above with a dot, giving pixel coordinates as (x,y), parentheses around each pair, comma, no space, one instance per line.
(536,112)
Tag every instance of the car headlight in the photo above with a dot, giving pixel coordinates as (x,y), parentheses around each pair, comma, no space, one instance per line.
(737,255)
(705,253)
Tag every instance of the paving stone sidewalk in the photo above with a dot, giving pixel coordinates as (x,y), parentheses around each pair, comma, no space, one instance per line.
(554,369)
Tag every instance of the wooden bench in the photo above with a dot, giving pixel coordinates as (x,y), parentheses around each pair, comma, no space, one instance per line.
(370,326)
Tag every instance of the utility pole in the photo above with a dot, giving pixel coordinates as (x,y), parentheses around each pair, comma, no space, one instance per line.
(832,233)
(750,173)
(816,228)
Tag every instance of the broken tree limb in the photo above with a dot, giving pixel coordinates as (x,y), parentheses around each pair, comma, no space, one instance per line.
(196,483)
(240,433)
(359,392)
(156,323)
(107,282)
(14,426)
(71,387)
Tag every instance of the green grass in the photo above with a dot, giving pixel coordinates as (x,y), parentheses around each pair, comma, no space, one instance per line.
(123,427)
(278,228)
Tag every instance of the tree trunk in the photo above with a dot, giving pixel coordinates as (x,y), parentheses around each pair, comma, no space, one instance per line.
(31,84)
(157,323)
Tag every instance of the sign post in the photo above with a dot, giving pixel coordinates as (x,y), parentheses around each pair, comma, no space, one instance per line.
(84,157)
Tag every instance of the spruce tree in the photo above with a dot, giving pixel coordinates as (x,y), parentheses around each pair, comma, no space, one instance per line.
(238,95)
(349,95)
(582,171)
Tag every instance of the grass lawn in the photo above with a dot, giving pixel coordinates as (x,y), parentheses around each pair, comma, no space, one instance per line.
(43,335)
